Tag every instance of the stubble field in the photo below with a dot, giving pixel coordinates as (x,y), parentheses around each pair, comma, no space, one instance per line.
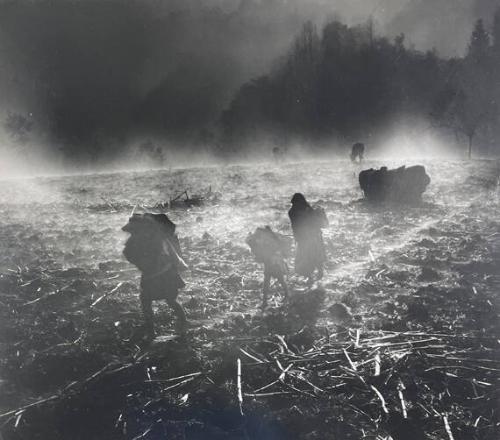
(401,339)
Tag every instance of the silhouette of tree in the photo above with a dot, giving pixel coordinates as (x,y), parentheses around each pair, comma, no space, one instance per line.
(495,125)
(301,78)
(463,111)
(496,28)
(479,43)
(18,127)
(467,105)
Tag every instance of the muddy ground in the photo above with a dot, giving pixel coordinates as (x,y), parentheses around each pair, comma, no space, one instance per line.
(401,339)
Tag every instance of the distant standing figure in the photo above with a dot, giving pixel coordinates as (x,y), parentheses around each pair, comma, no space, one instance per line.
(357,152)
(279,154)
(153,247)
(306,225)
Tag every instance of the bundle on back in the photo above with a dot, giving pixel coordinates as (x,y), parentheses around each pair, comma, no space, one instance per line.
(153,247)
(152,236)
(266,244)
(400,185)
(271,249)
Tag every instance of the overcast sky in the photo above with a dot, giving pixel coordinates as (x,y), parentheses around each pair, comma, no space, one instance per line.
(443,24)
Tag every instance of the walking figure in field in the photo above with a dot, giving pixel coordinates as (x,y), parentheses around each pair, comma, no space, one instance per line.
(307,223)
(153,247)
(270,249)
(357,152)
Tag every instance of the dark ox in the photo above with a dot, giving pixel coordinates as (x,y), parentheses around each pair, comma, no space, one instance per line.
(357,152)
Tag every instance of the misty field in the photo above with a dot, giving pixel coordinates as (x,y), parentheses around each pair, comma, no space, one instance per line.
(403,342)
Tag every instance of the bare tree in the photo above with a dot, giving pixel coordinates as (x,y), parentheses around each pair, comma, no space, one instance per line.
(467,109)
(468,106)
(18,127)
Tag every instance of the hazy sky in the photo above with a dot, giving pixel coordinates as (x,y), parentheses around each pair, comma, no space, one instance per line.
(443,24)
(86,66)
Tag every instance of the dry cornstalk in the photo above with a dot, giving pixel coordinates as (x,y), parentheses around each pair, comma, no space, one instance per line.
(178,384)
(238,383)
(115,289)
(377,364)
(315,388)
(299,391)
(401,387)
(351,363)
(18,418)
(381,398)
(277,393)
(283,345)
(144,434)
(447,427)
(251,356)
(23,408)
(394,344)
(265,387)
(204,271)
(173,379)
(283,370)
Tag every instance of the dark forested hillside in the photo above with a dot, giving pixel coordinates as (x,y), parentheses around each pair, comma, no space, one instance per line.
(92,81)
(347,83)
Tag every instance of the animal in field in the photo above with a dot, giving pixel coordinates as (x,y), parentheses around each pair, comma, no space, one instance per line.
(400,185)
(153,247)
(357,152)
(271,249)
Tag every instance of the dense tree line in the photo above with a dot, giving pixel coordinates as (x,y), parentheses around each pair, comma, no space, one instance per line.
(347,83)
(93,76)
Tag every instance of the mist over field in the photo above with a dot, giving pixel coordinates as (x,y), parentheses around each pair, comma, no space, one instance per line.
(249,219)
(101,83)
(409,298)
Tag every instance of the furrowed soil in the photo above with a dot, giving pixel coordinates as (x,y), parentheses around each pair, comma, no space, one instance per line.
(401,339)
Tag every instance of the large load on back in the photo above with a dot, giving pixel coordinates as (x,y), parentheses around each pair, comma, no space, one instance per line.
(266,244)
(152,238)
(401,185)
(271,249)
(153,247)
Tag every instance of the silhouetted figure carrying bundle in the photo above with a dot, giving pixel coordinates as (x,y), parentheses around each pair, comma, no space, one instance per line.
(153,247)
(307,223)
(401,185)
(357,152)
(270,249)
